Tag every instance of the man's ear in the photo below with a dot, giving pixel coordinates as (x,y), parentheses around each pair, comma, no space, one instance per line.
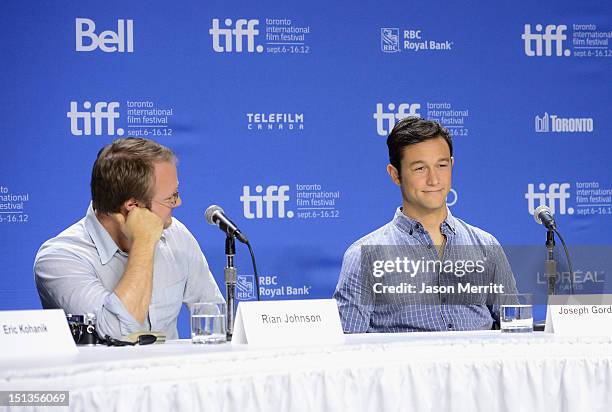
(130,204)
(393,172)
(452,162)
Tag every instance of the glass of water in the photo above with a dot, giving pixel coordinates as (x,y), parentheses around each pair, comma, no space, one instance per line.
(516,313)
(208,323)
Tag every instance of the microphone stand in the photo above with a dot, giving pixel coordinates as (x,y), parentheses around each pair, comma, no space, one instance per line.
(230,284)
(550,265)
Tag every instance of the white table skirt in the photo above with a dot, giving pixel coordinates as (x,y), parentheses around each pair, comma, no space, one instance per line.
(454,371)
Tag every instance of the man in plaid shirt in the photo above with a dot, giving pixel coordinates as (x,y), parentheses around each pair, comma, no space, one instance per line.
(435,298)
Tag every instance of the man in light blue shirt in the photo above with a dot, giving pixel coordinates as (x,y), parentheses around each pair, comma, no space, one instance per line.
(379,291)
(128,261)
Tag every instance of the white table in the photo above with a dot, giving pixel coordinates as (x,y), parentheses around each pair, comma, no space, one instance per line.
(458,371)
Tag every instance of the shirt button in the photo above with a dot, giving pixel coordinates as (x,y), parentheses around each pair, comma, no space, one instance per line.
(450,325)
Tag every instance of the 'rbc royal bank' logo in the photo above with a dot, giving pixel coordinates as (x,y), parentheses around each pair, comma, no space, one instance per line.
(103,114)
(274,200)
(232,37)
(386,120)
(389,40)
(553,196)
(108,41)
(245,287)
(538,43)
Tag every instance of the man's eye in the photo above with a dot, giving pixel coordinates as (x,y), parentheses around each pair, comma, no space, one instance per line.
(443,165)
(418,169)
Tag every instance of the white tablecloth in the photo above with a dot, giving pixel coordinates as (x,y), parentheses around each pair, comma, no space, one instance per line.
(455,371)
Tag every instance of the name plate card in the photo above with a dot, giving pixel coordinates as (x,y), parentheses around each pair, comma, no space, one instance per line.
(288,322)
(35,333)
(579,315)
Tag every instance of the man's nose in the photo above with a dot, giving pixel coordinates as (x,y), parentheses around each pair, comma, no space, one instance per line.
(432,177)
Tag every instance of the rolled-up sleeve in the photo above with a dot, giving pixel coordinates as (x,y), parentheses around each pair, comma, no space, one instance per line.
(65,281)
(113,315)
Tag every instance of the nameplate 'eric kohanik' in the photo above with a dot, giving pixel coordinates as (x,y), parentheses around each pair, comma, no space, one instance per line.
(288,322)
(35,334)
(579,315)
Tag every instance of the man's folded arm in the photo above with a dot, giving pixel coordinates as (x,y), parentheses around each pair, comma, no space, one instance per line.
(64,281)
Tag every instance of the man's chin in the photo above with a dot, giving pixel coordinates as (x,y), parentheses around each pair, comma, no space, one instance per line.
(434,206)
(434,202)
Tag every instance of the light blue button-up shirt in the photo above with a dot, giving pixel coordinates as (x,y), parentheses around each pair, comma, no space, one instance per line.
(79,269)
(363,310)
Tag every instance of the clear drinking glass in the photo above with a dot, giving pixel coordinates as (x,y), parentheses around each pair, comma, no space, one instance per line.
(208,323)
(516,313)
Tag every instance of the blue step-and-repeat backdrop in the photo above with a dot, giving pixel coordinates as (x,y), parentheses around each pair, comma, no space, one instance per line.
(279,111)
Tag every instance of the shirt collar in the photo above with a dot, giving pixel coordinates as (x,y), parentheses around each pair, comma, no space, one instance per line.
(102,240)
(104,243)
(409,225)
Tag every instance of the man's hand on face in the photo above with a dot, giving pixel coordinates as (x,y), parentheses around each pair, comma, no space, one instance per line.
(140,225)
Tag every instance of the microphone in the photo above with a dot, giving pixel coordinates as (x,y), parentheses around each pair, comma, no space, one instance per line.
(216,216)
(544,216)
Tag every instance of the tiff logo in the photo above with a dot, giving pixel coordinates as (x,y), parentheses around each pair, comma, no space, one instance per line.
(103,113)
(107,41)
(556,193)
(386,120)
(389,40)
(228,39)
(553,34)
(275,196)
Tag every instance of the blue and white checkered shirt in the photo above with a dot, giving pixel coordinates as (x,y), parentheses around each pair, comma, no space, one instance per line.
(362,310)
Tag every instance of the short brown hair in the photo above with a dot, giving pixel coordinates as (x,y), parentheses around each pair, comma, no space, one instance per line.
(123,170)
(412,130)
